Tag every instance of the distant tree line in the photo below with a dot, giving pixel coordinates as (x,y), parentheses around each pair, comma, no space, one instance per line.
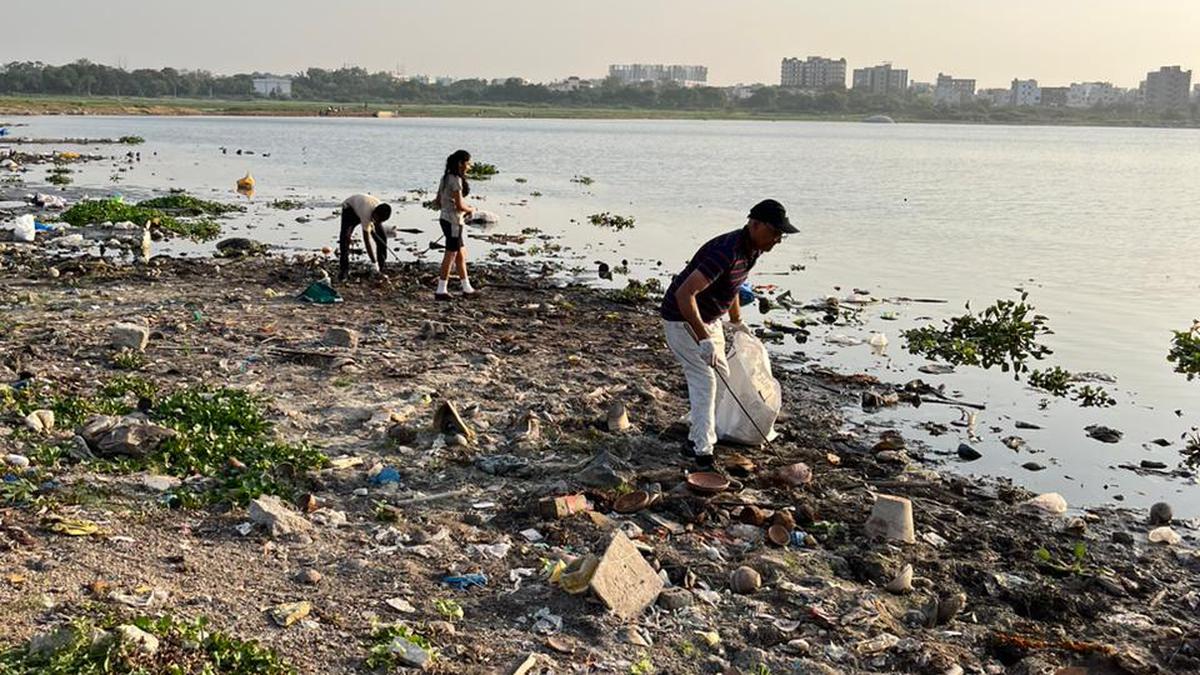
(357,85)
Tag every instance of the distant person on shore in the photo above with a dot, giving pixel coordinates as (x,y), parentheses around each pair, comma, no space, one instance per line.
(452,192)
(698,297)
(368,211)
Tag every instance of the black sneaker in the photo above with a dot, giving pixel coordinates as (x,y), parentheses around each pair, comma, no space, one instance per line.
(704,462)
(443,297)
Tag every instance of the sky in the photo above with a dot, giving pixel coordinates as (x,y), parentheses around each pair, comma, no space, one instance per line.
(741,41)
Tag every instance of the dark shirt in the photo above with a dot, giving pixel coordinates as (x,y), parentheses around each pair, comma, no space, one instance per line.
(726,262)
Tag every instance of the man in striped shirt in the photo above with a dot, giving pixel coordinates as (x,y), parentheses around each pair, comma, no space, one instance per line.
(698,297)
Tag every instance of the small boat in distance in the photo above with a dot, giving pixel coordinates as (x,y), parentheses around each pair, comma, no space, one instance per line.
(879,119)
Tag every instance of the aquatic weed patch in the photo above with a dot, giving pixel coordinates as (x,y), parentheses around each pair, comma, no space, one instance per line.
(108,646)
(1005,334)
(611,221)
(286,204)
(1185,351)
(482,171)
(637,292)
(93,211)
(188,205)
(222,437)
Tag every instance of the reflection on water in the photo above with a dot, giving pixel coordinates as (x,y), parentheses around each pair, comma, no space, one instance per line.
(1096,224)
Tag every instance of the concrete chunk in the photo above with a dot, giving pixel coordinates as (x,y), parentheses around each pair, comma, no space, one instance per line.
(623,580)
(130,336)
(270,512)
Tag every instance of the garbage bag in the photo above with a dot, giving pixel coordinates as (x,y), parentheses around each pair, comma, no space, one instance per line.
(24,228)
(320,293)
(751,383)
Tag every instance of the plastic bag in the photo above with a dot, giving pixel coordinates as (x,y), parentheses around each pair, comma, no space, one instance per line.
(24,228)
(750,382)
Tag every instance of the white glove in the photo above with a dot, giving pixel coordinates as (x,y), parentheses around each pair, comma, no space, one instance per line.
(714,358)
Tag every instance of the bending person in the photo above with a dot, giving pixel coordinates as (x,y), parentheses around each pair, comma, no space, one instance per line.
(698,297)
(452,192)
(368,211)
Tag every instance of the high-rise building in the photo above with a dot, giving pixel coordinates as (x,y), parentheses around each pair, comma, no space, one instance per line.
(1167,88)
(815,73)
(1025,92)
(658,73)
(953,91)
(881,79)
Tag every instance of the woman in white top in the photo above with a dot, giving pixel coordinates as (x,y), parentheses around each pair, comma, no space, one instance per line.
(452,192)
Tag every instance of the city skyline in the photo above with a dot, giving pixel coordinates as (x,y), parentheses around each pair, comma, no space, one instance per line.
(1071,41)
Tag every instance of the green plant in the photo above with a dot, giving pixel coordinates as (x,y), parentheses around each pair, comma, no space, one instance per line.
(687,649)
(287,204)
(1043,557)
(611,220)
(1005,334)
(1093,397)
(188,205)
(131,140)
(1185,350)
(128,359)
(93,211)
(448,608)
(1053,380)
(637,292)
(482,171)
(89,647)
(643,666)
(380,651)
(521,180)
(582,180)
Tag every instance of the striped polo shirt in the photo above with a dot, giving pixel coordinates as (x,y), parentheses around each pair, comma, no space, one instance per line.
(725,261)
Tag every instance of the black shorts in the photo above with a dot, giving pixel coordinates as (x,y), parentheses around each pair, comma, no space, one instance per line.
(453,243)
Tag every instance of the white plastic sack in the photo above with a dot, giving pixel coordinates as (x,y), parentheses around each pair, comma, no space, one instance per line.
(23,229)
(481,217)
(751,382)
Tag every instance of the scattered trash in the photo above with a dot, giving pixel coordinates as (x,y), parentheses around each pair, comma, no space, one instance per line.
(555,508)
(1050,502)
(546,623)
(745,580)
(320,293)
(72,527)
(1164,535)
(463,582)
(388,474)
(891,518)
(288,613)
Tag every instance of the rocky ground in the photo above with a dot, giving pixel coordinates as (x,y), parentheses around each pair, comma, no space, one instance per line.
(538,375)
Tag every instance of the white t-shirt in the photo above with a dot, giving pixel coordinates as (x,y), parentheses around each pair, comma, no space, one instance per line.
(450,185)
(363,206)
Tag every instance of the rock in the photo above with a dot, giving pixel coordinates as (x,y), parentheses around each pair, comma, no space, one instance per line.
(1153,464)
(631,635)
(341,337)
(309,576)
(1103,434)
(623,580)
(288,613)
(949,607)
(1050,502)
(600,472)
(745,580)
(936,369)
(270,512)
(1164,535)
(891,518)
(1161,514)
(675,598)
(40,421)
(112,437)
(17,461)
(968,453)
(1026,425)
(401,605)
(503,465)
(1032,466)
(407,653)
(132,636)
(130,336)
(902,583)
(618,418)
(794,475)
(240,247)
(447,420)
(158,483)
(1122,538)
(751,660)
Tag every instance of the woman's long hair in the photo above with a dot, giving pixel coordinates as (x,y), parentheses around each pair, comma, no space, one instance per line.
(453,164)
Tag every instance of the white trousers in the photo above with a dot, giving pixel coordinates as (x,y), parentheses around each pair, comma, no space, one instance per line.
(701,380)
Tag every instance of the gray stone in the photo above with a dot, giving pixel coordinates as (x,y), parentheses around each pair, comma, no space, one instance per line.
(341,337)
(270,512)
(309,576)
(130,439)
(130,336)
(40,421)
(407,653)
(132,636)
(1103,434)
(968,453)
(160,483)
(675,598)
(239,247)
(1161,514)
(1122,538)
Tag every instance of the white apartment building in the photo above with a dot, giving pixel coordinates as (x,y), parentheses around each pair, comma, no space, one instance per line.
(1025,93)
(953,91)
(1092,94)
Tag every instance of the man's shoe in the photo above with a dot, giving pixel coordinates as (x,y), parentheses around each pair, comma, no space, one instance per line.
(704,461)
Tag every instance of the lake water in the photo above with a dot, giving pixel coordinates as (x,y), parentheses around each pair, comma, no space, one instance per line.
(1099,225)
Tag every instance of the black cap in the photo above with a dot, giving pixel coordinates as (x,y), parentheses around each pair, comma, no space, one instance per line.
(772,213)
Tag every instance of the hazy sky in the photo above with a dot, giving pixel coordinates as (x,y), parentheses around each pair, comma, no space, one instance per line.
(1054,41)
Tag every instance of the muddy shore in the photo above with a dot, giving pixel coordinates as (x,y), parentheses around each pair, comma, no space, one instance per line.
(534,369)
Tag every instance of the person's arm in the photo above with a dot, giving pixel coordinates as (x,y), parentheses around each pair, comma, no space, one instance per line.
(367,226)
(685,297)
(461,204)
(735,310)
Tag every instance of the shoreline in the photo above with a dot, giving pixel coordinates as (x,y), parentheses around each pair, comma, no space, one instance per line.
(18,107)
(532,350)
